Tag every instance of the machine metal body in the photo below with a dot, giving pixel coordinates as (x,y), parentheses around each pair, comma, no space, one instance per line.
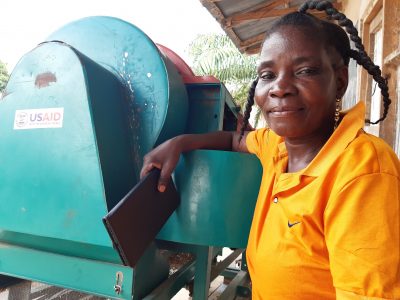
(80,112)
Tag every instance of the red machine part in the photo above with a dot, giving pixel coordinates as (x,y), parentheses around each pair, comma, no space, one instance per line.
(183,69)
(189,77)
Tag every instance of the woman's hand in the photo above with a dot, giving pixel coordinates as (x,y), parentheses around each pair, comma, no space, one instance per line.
(164,157)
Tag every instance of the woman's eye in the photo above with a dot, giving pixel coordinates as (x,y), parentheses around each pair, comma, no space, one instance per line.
(267,75)
(307,71)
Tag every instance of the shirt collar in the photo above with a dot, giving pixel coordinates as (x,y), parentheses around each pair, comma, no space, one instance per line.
(344,134)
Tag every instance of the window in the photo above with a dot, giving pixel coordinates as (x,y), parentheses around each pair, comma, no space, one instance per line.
(373,97)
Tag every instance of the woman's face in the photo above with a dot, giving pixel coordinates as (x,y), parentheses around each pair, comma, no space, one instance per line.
(299,81)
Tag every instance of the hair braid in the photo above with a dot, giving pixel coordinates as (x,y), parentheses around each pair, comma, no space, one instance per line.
(360,56)
(248,107)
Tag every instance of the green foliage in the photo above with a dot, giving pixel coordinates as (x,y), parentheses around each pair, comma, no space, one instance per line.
(215,54)
(3,76)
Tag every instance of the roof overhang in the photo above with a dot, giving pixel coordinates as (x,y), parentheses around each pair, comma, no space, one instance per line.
(246,22)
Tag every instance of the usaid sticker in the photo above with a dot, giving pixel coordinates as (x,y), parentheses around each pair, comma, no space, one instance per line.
(39,118)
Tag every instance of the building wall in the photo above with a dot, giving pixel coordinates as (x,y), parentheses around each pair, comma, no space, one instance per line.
(391,25)
(369,16)
(351,8)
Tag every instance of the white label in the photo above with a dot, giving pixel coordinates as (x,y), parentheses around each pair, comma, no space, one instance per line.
(39,118)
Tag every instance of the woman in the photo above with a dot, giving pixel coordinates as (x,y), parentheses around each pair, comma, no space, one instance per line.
(326,224)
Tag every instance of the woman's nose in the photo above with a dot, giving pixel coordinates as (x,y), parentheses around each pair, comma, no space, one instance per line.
(282,87)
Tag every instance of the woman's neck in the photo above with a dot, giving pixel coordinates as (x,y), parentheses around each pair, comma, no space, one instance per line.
(301,151)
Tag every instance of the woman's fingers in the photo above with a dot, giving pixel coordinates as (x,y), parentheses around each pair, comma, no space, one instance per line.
(165,177)
(163,157)
(165,174)
(147,167)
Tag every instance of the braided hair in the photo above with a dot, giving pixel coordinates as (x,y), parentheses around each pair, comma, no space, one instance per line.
(335,37)
(249,104)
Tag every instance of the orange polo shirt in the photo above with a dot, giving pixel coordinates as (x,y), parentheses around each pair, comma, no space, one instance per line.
(331,230)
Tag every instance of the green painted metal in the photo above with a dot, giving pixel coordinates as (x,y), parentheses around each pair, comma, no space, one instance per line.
(61,246)
(204,256)
(119,97)
(212,210)
(87,275)
(54,175)
(210,103)
(65,179)
(158,101)
(150,271)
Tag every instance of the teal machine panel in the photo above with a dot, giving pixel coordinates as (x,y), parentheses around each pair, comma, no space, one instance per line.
(79,113)
(215,209)
(155,94)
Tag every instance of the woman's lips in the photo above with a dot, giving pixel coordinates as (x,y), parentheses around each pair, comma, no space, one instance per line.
(284,111)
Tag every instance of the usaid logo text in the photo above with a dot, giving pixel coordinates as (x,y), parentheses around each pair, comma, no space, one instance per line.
(39,118)
(45,117)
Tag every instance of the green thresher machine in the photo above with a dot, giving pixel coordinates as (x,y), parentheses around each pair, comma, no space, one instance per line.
(79,113)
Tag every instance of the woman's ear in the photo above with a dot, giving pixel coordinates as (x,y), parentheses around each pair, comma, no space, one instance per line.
(342,80)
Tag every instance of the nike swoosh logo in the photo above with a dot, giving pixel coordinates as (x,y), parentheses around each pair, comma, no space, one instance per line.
(290,225)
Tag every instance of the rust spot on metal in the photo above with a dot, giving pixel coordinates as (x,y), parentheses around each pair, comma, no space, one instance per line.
(69,218)
(44,79)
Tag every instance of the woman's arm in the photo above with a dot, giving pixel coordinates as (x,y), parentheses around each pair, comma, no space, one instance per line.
(166,156)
